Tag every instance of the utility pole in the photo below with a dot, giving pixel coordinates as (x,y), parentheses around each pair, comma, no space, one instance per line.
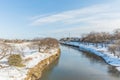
(69,34)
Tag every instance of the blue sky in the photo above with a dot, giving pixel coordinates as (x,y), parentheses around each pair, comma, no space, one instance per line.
(57,18)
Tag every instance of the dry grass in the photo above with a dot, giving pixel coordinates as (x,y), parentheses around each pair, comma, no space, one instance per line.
(15,60)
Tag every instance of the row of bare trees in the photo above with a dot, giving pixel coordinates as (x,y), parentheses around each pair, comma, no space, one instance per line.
(102,38)
(112,40)
(44,44)
(41,44)
(14,40)
(97,38)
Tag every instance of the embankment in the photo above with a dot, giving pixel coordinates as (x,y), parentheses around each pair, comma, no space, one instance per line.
(36,72)
(106,56)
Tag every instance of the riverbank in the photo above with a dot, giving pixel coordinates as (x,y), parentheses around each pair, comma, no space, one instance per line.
(99,51)
(34,62)
(36,72)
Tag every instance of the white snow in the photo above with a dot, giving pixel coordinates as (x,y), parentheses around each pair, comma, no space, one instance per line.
(99,51)
(118,68)
(16,73)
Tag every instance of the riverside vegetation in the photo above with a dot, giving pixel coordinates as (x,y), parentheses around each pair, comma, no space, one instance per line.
(20,55)
(111,41)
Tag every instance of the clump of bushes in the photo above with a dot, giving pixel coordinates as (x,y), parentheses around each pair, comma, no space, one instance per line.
(15,60)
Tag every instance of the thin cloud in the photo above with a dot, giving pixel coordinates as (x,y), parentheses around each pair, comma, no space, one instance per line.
(73,15)
(102,17)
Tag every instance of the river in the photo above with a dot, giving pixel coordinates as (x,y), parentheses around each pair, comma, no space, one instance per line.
(76,65)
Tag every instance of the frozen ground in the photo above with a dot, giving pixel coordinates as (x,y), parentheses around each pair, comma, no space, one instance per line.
(33,58)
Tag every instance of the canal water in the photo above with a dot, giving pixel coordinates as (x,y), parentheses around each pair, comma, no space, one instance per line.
(76,65)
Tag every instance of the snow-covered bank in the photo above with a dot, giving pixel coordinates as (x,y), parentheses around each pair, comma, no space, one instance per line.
(102,52)
(31,58)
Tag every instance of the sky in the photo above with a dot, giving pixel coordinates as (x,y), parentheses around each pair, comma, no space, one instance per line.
(57,18)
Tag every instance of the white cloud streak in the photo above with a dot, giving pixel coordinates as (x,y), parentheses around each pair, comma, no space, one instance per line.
(102,17)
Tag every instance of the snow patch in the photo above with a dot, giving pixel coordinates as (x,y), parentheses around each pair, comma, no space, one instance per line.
(33,56)
(102,52)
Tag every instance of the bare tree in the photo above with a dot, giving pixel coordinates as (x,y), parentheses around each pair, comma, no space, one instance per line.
(20,50)
(5,49)
(45,44)
(117,33)
(112,49)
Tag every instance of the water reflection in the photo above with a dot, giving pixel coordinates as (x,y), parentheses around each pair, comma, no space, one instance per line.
(113,71)
(48,70)
(92,57)
(96,59)
(76,65)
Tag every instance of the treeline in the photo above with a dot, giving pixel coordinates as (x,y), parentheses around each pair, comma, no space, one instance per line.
(14,40)
(14,53)
(72,39)
(41,44)
(97,38)
(100,39)
(104,39)
(44,44)
(22,40)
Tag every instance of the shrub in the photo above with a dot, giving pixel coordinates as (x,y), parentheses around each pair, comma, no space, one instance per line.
(15,60)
